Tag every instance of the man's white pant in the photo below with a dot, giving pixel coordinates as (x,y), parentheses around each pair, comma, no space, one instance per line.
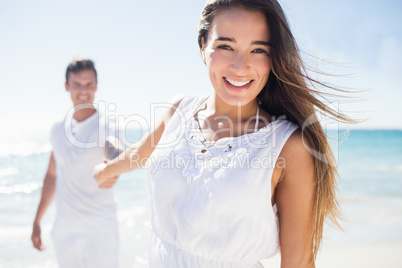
(89,249)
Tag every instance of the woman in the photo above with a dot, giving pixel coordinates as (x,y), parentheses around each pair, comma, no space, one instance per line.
(228,171)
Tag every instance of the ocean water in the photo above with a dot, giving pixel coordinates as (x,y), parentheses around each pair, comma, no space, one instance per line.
(370,163)
(370,166)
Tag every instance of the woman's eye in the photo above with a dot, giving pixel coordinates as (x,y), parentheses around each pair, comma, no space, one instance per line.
(259,50)
(224,47)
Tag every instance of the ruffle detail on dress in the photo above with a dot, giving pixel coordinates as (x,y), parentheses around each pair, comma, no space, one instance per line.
(194,155)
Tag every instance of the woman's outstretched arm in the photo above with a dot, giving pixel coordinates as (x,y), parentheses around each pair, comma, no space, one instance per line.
(136,155)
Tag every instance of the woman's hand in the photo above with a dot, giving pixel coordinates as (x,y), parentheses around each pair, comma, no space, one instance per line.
(104,181)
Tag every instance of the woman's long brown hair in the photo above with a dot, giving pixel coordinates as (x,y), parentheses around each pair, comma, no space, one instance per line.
(291,93)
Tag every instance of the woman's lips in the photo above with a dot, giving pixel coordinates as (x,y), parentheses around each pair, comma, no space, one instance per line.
(237,85)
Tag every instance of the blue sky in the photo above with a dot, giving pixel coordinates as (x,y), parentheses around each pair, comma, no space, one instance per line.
(147,52)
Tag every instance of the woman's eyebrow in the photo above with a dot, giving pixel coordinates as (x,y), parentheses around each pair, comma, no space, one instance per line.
(263,43)
(225,39)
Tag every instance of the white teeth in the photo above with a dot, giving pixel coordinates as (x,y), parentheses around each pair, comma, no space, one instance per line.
(238,84)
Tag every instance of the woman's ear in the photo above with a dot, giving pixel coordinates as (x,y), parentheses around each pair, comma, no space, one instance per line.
(203,49)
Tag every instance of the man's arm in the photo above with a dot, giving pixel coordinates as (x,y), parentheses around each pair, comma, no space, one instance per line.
(48,191)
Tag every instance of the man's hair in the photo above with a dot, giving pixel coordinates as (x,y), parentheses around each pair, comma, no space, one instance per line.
(77,65)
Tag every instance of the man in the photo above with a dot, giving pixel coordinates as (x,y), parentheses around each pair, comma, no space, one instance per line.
(85,232)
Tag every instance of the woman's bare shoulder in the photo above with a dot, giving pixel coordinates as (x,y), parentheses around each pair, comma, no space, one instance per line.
(299,161)
(297,147)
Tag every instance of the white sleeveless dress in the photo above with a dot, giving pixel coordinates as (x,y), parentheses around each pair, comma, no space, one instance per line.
(211,202)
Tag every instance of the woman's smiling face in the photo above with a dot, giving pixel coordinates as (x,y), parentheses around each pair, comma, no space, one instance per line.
(237,55)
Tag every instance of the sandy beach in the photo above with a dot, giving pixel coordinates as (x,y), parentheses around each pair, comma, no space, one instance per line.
(373,255)
(371,236)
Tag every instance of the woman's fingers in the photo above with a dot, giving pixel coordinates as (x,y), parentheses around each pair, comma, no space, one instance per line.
(108,183)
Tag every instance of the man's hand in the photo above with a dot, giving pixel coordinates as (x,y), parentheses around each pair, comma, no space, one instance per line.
(35,237)
(103,181)
(108,183)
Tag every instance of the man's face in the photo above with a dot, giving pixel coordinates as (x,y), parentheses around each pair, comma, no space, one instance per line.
(82,87)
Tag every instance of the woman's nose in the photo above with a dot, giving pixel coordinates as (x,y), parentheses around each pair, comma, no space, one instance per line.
(240,63)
